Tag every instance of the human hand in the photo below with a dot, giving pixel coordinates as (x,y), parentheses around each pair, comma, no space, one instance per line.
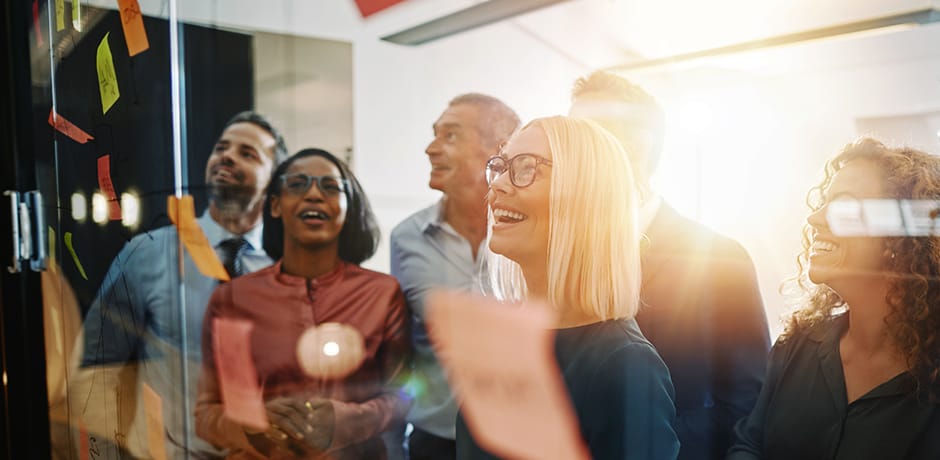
(297,426)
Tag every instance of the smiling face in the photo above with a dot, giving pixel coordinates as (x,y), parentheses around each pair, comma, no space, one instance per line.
(835,260)
(313,219)
(521,216)
(457,153)
(239,166)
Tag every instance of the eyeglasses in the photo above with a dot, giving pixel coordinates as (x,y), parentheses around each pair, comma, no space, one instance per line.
(299,183)
(521,168)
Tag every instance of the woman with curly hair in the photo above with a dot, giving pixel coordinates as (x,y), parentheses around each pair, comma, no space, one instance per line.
(856,375)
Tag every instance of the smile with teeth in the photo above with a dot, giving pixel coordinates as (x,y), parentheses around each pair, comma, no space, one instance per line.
(823,246)
(312,214)
(506,216)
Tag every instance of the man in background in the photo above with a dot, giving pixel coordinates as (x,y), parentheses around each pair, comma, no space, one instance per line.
(701,307)
(440,246)
(134,330)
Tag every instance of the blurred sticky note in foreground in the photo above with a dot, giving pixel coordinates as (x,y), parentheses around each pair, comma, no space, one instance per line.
(133,23)
(107,78)
(153,407)
(107,187)
(59,15)
(183,215)
(66,127)
(510,389)
(52,245)
(67,238)
(242,398)
(82,441)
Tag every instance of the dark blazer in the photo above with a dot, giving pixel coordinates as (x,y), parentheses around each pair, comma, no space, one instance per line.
(702,310)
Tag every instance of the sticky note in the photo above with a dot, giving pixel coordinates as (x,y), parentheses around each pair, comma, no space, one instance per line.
(67,238)
(77,15)
(107,78)
(59,15)
(183,215)
(52,244)
(242,398)
(153,408)
(82,441)
(511,392)
(133,23)
(107,187)
(36,28)
(66,127)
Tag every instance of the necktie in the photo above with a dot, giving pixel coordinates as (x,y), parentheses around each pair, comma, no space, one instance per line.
(231,251)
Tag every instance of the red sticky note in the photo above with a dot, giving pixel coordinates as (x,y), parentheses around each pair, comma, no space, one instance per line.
(39,41)
(153,408)
(82,441)
(183,215)
(509,386)
(238,380)
(133,23)
(370,7)
(107,187)
(66,127)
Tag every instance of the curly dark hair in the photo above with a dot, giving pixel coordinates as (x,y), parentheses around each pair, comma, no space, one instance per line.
(914,292)
(359,238)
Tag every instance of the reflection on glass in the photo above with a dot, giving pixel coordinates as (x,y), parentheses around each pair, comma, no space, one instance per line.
(99,208)
(79,207)
(130,210)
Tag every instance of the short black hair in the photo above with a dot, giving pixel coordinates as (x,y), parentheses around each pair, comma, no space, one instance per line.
(255,118)
(359,238)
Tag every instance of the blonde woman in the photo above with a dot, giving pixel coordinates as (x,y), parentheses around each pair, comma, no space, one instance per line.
(564,230)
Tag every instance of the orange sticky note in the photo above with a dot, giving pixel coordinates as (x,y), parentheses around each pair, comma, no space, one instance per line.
(133,23)
(67,239)
(107,187)
(153,407)
(183,215)
(238,380)
(66,127)
(107,77)
(511,391)
(82,441)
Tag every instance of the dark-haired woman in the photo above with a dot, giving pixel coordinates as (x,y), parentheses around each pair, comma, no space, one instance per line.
(319,210)
(856,375)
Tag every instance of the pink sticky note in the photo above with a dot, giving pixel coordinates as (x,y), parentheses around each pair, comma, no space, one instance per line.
(107,187)
(510,389)
(238,379)
(66,127)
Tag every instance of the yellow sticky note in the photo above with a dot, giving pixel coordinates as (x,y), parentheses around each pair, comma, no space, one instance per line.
(183,215)
(59,15)
(52,242)
(107,78)
(68,244)
(153,407)
(77,15)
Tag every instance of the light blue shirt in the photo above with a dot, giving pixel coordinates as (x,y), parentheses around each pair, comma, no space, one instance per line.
(426,253)
(135,318)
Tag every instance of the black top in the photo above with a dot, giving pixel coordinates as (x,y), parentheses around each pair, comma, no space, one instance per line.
(620,390)
(802,412)
(702,310)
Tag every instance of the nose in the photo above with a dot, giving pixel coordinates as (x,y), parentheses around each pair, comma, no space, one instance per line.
(433,148)
(818,219)
(501,185)
(314,193)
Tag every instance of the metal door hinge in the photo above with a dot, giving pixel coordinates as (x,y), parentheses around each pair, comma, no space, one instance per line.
(28,222)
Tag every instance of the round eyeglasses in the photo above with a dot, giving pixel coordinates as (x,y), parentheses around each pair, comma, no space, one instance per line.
(299,183)
(521,168)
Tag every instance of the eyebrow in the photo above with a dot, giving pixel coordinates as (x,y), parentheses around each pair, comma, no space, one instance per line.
(450,125)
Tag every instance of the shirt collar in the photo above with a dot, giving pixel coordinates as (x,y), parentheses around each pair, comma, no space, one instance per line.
(433,217)
(216,234)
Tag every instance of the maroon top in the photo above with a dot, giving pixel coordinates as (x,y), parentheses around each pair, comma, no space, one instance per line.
(282,307)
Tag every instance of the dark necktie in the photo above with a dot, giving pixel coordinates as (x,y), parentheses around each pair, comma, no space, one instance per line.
(231,251)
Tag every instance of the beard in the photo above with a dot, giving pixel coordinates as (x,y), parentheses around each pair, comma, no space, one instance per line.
(232,198)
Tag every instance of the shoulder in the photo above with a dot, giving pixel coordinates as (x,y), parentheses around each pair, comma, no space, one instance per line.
(414,224)
(618,348)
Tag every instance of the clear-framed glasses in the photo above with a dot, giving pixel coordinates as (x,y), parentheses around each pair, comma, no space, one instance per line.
(521,168)
(299,183)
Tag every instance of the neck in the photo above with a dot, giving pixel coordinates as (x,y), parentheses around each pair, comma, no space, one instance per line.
(465,211)
(237,223)
(867,312)
(309,263)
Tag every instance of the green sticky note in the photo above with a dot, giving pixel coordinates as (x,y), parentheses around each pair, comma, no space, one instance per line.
(59,15)
(52,242)
(107,78)
(68,244)
(77,15)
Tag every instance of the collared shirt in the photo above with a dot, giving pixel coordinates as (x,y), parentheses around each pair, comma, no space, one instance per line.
(427,253)
(803,411)
(135,323)
(281,307)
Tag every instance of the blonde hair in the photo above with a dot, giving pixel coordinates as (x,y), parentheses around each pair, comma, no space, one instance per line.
(593,249)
